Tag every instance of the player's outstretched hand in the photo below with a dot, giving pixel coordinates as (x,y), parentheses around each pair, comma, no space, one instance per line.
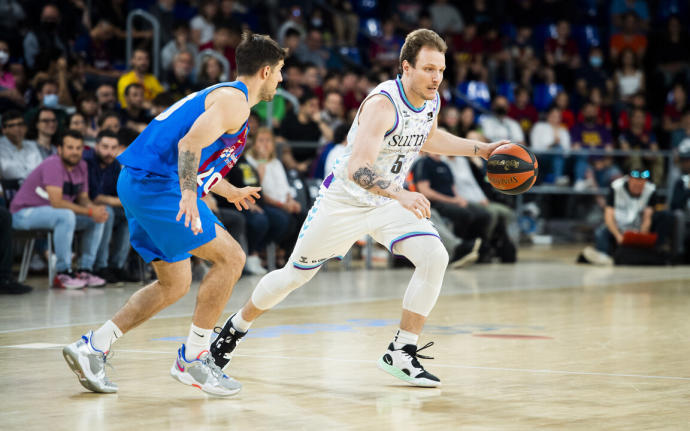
(489,148)
(190,211)
(416,202)
(241,197)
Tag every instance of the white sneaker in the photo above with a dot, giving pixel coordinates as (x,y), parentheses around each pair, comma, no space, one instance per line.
(204,374)
(596,257)
(88,363)
(36,264)
(253,266)
(403,364)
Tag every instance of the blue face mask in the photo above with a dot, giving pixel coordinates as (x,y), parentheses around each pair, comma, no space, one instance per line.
(596,61)
(50,100)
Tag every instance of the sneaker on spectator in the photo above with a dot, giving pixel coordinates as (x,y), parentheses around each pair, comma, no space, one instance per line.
(37,264)
(108,275)
(13,287)
(68,280)
(124,276)
(596,257)
(584,184)
(90,279)
(466,253)
(563,181)
(253,266)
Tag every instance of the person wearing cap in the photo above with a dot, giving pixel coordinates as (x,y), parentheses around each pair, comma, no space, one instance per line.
(629,207)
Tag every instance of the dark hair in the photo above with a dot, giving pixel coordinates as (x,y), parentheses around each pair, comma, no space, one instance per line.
(39,87)
(163,99)
(12,114)
(307,95)
(107,133)
(292,32)
(74,114)
(74,134)
(104,116)
(44,109)
(86,95)
(340,133)
(126,136)
(133,85)
(255,52)
(418,39)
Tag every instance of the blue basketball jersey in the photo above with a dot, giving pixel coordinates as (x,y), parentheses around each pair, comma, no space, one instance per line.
(155,149)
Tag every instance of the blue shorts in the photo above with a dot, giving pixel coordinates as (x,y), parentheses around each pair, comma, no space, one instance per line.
(151,204)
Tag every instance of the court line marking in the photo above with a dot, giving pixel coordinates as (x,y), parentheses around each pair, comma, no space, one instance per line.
(370,361)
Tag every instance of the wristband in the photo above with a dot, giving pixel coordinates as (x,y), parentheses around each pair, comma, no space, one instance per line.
(90,211)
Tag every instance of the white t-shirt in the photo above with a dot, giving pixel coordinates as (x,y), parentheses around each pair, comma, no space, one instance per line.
(465,183)
(543,136)
(206,28)
(275,182)
(506,128)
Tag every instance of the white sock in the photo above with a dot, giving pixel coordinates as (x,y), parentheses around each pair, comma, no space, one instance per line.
(198,340)
(105,336)
(404,337)
(239,323)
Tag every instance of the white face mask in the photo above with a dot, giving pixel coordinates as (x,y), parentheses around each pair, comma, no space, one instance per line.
(50,100)
(4,56)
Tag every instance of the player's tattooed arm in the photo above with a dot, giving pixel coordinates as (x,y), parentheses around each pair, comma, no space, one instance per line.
(367,178)
(187,166)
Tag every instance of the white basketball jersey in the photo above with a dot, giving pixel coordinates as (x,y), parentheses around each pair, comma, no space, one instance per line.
(399,148)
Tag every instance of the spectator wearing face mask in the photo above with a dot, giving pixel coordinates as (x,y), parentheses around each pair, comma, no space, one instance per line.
(499,126)
(47,96)
(43,44)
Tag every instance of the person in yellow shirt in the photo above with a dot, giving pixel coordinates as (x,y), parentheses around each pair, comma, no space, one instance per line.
(139,75)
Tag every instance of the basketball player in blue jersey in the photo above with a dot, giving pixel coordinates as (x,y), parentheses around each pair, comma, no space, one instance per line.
(364,195)
(182,155)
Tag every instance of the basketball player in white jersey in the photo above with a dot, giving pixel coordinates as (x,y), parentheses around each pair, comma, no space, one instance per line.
(364,195)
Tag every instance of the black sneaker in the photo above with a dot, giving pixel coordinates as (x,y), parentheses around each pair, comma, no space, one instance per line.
(108,275)
(12,287)
(466,253)
(125,276)
(225,343)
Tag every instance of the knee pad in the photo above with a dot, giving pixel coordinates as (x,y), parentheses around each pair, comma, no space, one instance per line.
(276,285)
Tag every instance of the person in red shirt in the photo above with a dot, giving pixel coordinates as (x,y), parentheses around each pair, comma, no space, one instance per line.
(674,109)
(631,37)
(562,50)
(225,39)
(603,112)
(523,111)
(562,101)
(637,101)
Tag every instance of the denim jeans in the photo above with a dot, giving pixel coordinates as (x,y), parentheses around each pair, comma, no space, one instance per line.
(64,223)
(262,228)
(116,238)
(604,241)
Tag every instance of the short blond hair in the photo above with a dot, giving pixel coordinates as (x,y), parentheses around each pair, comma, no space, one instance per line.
(418,39)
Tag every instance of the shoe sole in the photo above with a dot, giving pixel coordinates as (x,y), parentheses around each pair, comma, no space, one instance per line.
(395,372)
(186,379)
(72,359)
(469,258)
(593,257)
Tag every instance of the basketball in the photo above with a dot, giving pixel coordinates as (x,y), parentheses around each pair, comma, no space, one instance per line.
(512,169)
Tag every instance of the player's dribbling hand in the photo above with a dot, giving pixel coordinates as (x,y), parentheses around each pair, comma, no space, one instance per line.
(417,203)
(489,148)
(243,196)
(190,211)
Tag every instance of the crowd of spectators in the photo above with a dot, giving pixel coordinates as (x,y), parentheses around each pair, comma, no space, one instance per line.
(555,75)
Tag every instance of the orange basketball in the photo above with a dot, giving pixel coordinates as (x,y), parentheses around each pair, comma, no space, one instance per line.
(512,169)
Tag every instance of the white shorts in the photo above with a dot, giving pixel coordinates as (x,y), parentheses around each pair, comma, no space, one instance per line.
(331,227)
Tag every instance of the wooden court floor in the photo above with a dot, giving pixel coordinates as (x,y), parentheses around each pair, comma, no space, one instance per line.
(544,344)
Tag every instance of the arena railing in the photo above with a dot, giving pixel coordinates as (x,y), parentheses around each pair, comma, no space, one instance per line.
(156,38)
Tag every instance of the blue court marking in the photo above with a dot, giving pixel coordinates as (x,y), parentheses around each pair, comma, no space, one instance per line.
(352,325)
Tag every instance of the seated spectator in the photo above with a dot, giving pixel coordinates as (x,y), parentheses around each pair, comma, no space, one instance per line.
(18,157)
(670,54)
(105,96)
(181,42)
(202,25)
(619,9)
(499,126)
(47,95)
(333,112)
(45,131)
(109,120)
(636,101)
(210,73)
(10,98)
(277,193)
(552,136)
(449,119)
(593,74)
(636,138)
(603,113)
(680,201)
(562,101)
(631,36)
(385,49)
(8,285)
(98,47)
(77,122)
(446,18)
(434,179)
(523,111)
(312,51)
(55,196)
(675,107)
(88,107)
(45,43)
(225,40)
(139,75)
(561,52)
(345,23)
(179,79)
(590,135)
(629,76)
(682,133)
(134,115)
(263,223)
(629,207)
(104,171)
(305,125)
(501,217)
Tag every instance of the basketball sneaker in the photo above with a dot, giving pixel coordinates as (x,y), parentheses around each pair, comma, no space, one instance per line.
(202,373)
(466,253)
(403,364)
(88,363)
(225,343)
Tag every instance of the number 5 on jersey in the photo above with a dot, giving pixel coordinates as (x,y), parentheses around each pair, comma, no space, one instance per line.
(397,166)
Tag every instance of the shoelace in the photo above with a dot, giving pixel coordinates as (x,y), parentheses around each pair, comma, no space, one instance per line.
(215,369)
(106,357)
(429,344)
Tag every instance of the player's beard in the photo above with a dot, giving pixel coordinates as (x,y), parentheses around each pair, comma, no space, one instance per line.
(267,93)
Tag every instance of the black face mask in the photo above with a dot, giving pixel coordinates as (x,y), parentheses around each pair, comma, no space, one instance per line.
(590,119)
(49,26)
(500,111)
